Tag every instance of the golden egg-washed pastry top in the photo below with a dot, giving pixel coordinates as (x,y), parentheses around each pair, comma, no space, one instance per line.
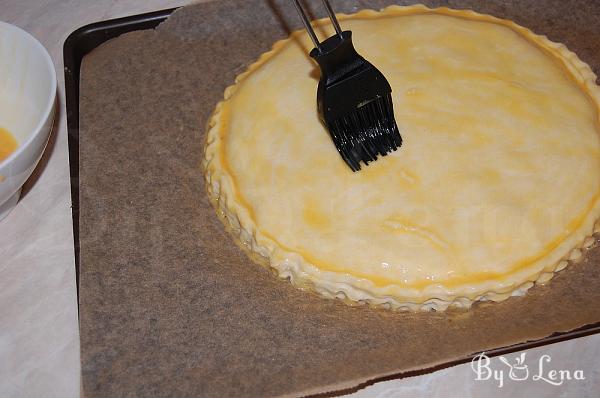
(495,187)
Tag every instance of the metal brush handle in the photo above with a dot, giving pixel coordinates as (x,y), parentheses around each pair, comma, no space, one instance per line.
(308,26)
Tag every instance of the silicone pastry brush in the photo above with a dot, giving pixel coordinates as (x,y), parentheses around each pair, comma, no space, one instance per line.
(353,98)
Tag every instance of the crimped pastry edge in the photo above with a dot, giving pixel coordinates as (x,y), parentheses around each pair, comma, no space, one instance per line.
(301,273)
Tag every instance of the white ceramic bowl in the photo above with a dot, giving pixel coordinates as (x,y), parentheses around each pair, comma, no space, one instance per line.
(27,107)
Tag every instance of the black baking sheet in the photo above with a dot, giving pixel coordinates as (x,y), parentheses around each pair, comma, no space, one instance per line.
(87,38)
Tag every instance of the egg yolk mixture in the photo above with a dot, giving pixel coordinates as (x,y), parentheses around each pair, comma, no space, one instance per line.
(8,144)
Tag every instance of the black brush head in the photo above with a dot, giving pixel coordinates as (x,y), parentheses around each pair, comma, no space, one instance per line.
(368,132)
(355,103)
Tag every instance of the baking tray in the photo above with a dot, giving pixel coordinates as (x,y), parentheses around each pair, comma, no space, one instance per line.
(85,39)
(77,45)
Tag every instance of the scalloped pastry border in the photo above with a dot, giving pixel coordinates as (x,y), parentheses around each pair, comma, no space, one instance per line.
(302,274)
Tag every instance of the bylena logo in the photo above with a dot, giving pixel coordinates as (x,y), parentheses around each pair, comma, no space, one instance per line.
(519,370)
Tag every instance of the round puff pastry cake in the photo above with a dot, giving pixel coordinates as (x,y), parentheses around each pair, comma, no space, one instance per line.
(496,185)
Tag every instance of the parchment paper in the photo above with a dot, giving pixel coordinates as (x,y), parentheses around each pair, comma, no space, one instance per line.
(169,306)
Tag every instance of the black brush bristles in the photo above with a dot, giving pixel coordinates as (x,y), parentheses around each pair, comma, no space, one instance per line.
(368,132)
